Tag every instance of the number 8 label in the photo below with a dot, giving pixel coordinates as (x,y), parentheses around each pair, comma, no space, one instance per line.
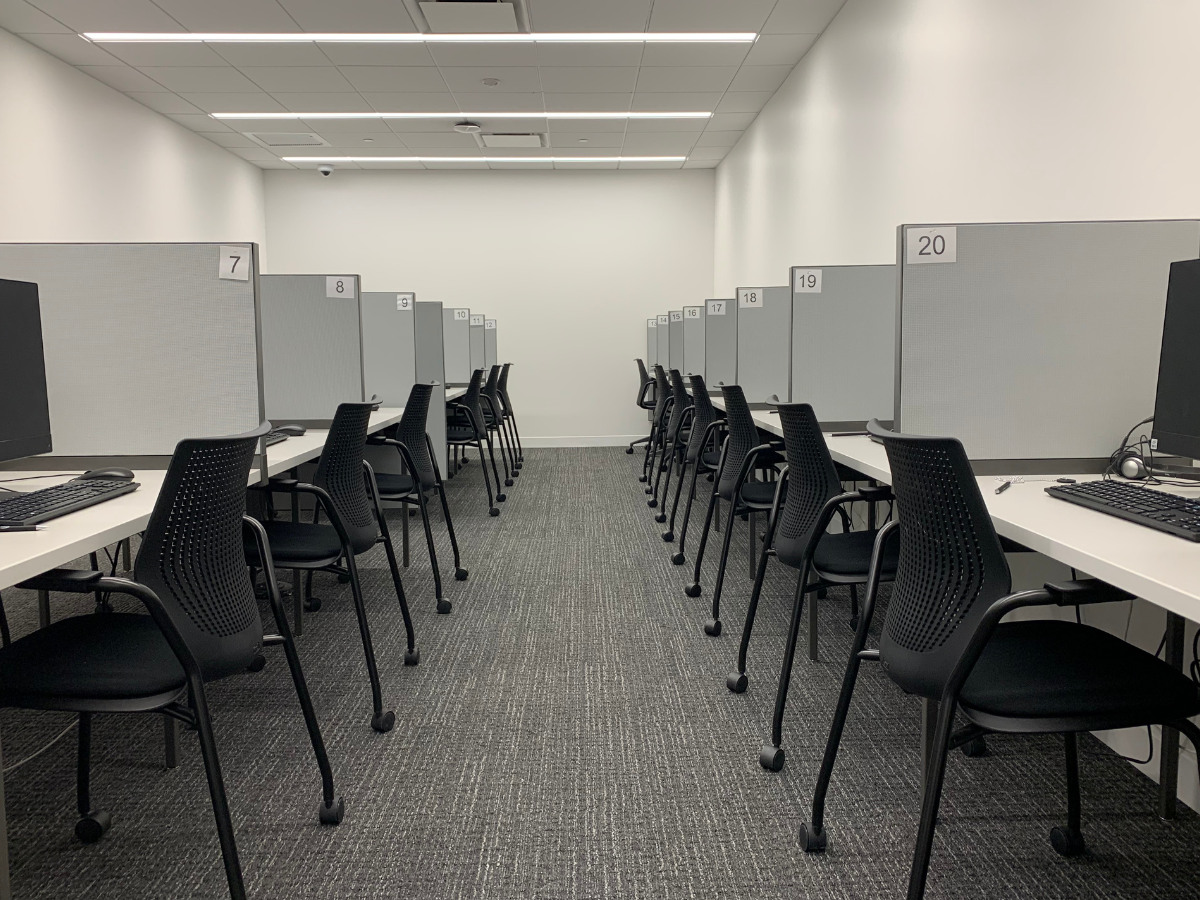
(339,286)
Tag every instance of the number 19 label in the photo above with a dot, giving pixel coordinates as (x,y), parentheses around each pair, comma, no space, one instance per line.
(931,245)
(806,281)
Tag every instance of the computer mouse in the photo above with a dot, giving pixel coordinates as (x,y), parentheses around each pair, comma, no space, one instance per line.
(113,474)
(291,429)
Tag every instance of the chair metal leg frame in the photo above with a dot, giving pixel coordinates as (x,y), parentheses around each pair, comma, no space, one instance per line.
(512,417)
(669,534)
(412,654)
(659,444)
(493,509)
(419,501)
(500,496)
(667,463)
(633,444)
(460,574)
(713,626)
(488,430)
(93,823)
(650,443)
(679,558)
(693,589)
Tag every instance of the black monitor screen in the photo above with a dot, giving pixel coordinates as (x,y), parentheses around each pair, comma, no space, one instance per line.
(1177,407)
(24,410)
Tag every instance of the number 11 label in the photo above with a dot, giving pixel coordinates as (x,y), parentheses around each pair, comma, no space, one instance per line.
(931,245)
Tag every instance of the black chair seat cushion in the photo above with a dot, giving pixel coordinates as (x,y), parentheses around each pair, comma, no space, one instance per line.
(1063,670)
(107,656)
(463,433)
(759,493)
(849,555)
(711,458)
(298,542)
(393,484)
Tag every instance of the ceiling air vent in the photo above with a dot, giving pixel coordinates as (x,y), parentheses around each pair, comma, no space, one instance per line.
(512,140)
(286,139)
(470,16)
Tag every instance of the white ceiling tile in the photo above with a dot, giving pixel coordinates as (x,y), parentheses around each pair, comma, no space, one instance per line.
(358,140)
(694,54)
(585,140)
(616,126)
(605,102)
(701,163)
(779,49)
(513,79)
(377,54)
(396,79)
(661,144)
(214,101)
(109,15)
(470,18)
(272,164)
(319,101)
(124,78)
(73,49)
(571,164)
(500,102)
(719,138)
(349,15)
(200,123)
(229,15)
(325,127)
(730,122)
(650,165)
(675,102)
(685,78)
(743,101)
(484,54)
(710,15)
(411,101)
(298,78)
(19,17)
(232,139)
(166,102)
(709,153)
(760,78)
(200,78)
(253,153)
(438,140)
(801,16)
(693,125)
(165,54)
(534,124)
(588,79)
(271,54)
(589,54)
(589,15)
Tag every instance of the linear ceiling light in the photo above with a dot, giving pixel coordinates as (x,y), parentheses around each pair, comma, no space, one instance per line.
(487,159)
(462,115)
(584,37)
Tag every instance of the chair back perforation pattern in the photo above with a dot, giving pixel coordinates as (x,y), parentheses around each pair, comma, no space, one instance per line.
(503,386)
(704,416)
(340,472)
(682,402)
(643,380)
(662,391)
(812,480)
(491,390)
(743,437)
(471,401)
(410,431)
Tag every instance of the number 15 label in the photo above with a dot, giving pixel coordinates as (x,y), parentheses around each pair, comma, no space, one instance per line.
(235,264)
(931,245)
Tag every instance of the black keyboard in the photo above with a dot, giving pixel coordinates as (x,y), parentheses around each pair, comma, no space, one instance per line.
(1171,513)
(275,437)
(52,502)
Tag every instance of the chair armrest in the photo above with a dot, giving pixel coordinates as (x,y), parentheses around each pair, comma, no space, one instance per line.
(65,581)
(1085,590)
(877,493)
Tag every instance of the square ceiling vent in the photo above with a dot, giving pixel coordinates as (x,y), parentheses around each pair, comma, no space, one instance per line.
(512,140)
(467,17)
(286,138)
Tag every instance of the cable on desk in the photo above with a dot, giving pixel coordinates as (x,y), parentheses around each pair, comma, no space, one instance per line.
(32,756)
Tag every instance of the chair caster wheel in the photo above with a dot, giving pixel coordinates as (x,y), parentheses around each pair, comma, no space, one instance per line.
(975,747)
(383,722)
(258,664)
(811,840)
(678,559)
(649,490)
(343,579)
(494,511)
(660,518)
(713,627)
(500,498)
(460,574)
(508,482)
(642,478)
(1067,842)
(771,758)
(854,623)
(652,503)
(312,604)
(736,682)
(333,813)
(629,450)
(692,590)
(516,472)
(668,536)
(444,606)
(412,657)
(91,827)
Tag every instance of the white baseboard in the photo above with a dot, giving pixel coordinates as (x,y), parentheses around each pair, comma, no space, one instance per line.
(582,440)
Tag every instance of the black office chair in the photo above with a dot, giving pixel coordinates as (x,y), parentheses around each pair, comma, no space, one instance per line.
(203,625)
(943,640)
(645,399)
(412,442)
(509,415)
(493,419)
(344,489)
(465,428)
(678,421)
(662,396)
(741,454)
(704,428)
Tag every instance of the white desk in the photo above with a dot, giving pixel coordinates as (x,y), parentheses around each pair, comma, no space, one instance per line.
(454,393)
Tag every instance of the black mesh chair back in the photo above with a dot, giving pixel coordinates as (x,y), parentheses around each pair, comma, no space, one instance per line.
(951,566)
(812,480)
(503,386)
(662,391)
(410,431)
(471,401)
(682,402)
(340,474)
(704,416)
(192,554)
(642,399)
(743,437)
(491,390)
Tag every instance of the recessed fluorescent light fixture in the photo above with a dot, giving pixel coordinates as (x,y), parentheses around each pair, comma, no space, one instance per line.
(583,37)
(487,159)
(462,115)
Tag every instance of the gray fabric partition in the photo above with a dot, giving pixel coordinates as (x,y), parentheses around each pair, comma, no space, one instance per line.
(389,346)
(663,336)
(1033,341)
(651,341)
(312,345)
(490,350)
(675,329)
(844,342)
(431,367)
(145,344)
(693,340)
(478,350)
(456,337)
(764,336)
(720,343)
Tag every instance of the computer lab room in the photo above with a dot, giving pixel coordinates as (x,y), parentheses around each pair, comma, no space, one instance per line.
(856,554)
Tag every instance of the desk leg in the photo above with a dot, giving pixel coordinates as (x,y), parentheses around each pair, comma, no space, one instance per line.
(43,609)
(5,889)
(126,562)
(1168,766)
(929,715)
(171,741)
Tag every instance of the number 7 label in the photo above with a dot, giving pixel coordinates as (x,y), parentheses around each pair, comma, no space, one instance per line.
(234,264)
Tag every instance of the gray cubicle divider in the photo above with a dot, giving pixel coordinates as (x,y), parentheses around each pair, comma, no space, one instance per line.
(429,321)
(478,349)
(389,345)
(663,336)
(456,335)
(312,346)
(693,341)
(145,344)
(720,343)
(1033,341)
(651,341)
(840,312)
(675,329)
(764,339)
(491,352)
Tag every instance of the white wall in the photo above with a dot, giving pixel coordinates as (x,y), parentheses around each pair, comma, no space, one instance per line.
(570,263)
(80,161)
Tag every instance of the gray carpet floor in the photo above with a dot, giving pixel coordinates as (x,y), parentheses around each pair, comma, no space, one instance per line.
(568,734)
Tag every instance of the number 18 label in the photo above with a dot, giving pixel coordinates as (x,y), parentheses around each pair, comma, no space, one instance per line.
(931,245)
(750,298)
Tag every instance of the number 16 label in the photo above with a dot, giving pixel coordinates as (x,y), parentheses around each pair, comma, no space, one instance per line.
(931,245)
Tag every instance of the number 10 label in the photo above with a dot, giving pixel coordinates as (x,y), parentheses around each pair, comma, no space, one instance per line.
(931,245)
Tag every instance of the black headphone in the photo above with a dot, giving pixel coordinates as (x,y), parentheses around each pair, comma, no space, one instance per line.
(1129,464)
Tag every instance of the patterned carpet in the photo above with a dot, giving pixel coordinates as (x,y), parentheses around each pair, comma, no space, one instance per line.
(567,734)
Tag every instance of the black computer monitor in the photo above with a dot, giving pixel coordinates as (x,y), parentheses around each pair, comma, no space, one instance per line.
(24,408)
(1177,405)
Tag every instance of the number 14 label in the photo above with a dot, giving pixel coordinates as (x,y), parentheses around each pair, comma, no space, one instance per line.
(931,245)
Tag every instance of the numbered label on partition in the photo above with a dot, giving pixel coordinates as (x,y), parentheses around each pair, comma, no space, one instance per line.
(489,324)
(931,245)
(235,264)
(663,320)
(476,320)
(677,316)
(692,312)
(806,281)
(462,315)
(339,286)
(652,323)
(750,298)
(717,307)
(404,302)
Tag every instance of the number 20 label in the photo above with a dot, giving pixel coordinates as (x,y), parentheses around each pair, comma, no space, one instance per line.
(931,245)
